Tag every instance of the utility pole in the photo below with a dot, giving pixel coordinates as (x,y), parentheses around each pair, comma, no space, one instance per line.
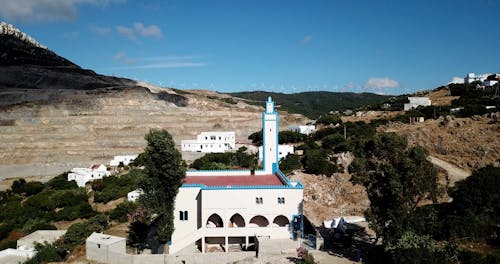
(345,133)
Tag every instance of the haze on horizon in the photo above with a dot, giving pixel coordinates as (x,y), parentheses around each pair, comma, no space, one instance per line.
(378,46)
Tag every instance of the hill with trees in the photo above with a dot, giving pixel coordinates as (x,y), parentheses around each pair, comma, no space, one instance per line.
(313,104)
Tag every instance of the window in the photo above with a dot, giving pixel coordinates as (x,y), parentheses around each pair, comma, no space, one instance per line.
(98,245)
(183,215)
(281,200)
(258,200)
(213,138)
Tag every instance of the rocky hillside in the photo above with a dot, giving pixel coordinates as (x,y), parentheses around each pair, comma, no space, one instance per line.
(55,115)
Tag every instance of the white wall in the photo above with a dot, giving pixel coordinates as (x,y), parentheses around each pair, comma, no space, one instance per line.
(283,151)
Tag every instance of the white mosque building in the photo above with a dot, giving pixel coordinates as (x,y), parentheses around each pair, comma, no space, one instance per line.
(235,206)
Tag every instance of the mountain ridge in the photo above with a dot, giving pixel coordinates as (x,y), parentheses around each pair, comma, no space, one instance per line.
(315,103)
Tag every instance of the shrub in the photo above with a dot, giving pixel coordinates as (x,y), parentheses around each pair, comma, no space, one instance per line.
(60,182)
(329,120)
(82,210)
(121,212)
(290,137)
(45,253)
(331,141)
(290,163)
(114,187)
(316,161)
(28,188)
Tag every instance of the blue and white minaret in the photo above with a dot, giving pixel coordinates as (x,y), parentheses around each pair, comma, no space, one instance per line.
(270,138)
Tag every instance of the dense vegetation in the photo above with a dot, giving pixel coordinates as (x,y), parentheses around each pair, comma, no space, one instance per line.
(112,188)
(313,104)
(398,179)
(226,161)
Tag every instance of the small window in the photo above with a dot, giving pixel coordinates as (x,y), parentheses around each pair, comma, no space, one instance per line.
(98,245)
(260,200)
(257,200)
(181,215)
(212,137)
(219,138)
(282,200)
(185,215)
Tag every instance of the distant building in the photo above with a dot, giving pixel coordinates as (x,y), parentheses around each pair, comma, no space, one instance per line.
(134,195)
(216,141)
(489,83)
(303,129)
(124,159)
(472,77)
(84,175)
(283,151)
(416,102)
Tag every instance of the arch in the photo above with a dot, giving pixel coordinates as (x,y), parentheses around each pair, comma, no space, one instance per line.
(259,221)
(214,221)
(281,220)
(237,221)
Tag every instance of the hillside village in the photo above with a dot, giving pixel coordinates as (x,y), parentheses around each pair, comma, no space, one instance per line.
(259,182)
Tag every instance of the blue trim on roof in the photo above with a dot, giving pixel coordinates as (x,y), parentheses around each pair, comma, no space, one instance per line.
(287,184)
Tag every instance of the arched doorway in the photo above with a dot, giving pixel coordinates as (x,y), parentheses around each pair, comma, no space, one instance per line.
(281,220)
(214,221)
(236,221)
(259,221)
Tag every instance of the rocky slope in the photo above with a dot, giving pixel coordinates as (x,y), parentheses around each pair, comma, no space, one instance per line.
(55,115)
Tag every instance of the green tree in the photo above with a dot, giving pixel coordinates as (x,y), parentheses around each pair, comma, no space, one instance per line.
(329,120)
(289,163)
(164,173)
(397,179)
(316,162)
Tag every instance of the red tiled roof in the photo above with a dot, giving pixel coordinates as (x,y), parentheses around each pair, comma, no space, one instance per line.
(269,179)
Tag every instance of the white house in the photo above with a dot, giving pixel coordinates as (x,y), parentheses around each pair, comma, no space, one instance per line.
(236,206)
(103,248)
(472,77)
(489,83)
(40,236)
(134,195)
(303,129)
(84,175)
(124,159)
(215,141)
(416,102)
(283,151)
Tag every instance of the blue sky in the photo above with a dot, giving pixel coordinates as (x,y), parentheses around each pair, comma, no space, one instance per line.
(377,46)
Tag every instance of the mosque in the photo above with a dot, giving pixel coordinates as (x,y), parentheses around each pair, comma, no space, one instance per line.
(228,207)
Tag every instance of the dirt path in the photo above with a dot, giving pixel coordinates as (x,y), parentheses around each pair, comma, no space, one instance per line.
(454,173)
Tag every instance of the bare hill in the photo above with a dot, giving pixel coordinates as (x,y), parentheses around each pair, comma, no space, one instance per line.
(55,115)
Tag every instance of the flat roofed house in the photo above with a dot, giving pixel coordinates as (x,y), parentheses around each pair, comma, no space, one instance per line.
(84,175)
(99,247)
(211,142)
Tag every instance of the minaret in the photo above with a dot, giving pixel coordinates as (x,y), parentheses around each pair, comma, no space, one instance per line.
(270,138)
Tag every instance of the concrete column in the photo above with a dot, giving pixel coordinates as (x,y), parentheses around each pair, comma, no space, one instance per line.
(227,243)
(246,242)
(202,244)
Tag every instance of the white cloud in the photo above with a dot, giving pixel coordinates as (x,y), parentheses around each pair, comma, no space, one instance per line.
(100,30)
(139,29)
(457,80)
(377,83)
(126,32)
(122,58)
(159,62)
(45,10)
(306,39)
(149,31)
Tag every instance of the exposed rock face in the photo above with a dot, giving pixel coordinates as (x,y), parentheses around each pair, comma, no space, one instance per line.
(55,115)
